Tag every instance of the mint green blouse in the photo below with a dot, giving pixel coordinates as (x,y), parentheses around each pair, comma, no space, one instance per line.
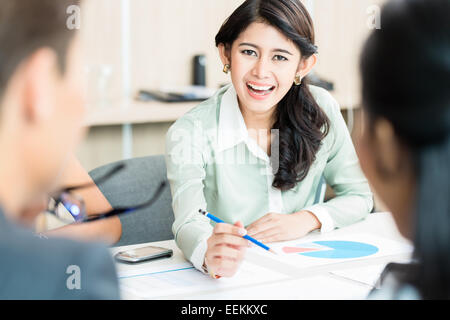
(215,165)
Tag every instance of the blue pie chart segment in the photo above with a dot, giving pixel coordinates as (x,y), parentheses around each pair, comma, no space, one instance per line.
(341,250)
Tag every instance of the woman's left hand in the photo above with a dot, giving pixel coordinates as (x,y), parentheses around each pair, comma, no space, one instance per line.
(281,227)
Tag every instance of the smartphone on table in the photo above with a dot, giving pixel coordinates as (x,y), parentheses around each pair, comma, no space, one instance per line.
(143,254)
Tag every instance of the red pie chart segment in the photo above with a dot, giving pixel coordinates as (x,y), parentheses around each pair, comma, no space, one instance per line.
(336,249)
(299,250)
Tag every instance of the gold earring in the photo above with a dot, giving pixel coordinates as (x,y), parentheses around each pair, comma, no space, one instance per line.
(298,80)
(226,68)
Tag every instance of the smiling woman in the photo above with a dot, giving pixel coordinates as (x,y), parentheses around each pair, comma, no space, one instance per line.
(286,133)
(264,69)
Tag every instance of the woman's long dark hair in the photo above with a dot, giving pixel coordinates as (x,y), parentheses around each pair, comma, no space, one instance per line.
(301,122)
(405,69)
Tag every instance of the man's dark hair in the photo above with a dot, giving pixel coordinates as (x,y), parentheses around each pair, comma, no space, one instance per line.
(26,26)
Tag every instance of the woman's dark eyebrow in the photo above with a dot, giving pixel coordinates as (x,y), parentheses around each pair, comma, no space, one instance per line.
(255,46)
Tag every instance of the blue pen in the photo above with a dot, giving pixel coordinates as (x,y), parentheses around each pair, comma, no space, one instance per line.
(215,219)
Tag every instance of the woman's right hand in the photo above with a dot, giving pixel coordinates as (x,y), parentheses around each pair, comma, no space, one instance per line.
(226,249)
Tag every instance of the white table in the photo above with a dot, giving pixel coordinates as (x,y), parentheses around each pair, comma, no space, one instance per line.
(312,283)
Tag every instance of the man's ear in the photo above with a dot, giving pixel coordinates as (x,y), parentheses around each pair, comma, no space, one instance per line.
(40,76)
(305,66)
(389,152)
(224,54)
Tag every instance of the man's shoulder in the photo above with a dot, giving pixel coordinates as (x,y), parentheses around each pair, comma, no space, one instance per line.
(35,268)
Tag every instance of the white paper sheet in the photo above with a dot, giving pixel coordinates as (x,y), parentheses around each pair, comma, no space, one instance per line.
(179,279)
(321,287)
(366,275)
(354,247)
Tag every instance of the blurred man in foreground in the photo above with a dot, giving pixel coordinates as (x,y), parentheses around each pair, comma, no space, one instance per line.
(41,113)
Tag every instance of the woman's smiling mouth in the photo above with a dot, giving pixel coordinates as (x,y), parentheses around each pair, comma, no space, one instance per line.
(259,91)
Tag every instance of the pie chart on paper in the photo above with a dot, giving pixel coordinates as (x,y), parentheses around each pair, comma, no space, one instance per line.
(332,249)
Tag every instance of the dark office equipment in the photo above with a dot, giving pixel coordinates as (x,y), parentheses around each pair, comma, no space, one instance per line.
(148,95)
(199,72)
(315,80)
